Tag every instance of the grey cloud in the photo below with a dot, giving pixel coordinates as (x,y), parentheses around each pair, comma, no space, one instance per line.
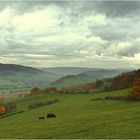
(109,33)
(109,8)
(25,6)
(118,8)
(118,29)
(129,52)
(78,8)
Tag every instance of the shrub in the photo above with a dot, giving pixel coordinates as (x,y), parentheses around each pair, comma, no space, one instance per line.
(35,91)
(36,105)
(11,106)
(52,102)
(2,110)
(51,90)
(40,104)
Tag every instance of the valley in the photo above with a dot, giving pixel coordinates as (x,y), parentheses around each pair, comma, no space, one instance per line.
(21,79)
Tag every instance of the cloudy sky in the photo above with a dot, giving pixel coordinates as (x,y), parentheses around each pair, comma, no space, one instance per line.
(70,33)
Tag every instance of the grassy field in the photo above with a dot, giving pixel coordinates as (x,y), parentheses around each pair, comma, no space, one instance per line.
(77,117)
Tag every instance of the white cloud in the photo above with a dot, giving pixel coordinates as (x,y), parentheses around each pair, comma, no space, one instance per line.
(5,17)
(94,20)
(40,19)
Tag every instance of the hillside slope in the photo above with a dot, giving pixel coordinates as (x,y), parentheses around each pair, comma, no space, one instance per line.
(17,68)
(85,77)
(17,77)
(119,82)
(77,117)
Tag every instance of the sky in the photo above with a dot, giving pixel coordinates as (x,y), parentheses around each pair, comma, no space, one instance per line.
(99,34)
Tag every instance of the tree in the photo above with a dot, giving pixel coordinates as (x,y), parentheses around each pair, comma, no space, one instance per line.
(35,91)
(106,87)
(11,106)
(51,90)
(98,83)
(73,89)
(2,109)
(135,93)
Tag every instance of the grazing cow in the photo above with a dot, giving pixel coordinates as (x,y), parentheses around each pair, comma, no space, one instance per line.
(51,115)
(40,118)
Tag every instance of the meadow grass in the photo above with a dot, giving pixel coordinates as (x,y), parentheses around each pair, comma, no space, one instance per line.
(77,117)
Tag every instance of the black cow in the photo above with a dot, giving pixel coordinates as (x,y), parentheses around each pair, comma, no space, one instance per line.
(40,118)
(51,115)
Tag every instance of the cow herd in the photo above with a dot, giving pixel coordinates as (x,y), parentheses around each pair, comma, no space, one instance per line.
(50,115)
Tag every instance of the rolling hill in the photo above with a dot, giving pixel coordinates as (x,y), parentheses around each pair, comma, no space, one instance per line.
(19,78)
(85,77)
(122,81)
(17,68)
(77,117)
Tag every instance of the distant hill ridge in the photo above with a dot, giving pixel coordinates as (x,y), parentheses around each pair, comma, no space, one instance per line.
(85,77)
(69,70)
(17,77)
(122,81)
(18,68)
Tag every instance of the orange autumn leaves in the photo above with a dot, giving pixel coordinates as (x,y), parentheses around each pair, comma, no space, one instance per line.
(136,86)
(2,109)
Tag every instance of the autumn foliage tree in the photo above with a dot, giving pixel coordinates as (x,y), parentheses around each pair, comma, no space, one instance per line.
(135,93)
(51,90)
(122,81)
(2,109)
(73,89)
(89,86)
(35,91)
